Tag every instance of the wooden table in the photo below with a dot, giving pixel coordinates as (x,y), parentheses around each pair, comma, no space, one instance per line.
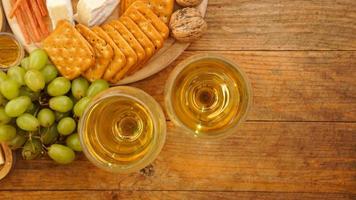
(300,138)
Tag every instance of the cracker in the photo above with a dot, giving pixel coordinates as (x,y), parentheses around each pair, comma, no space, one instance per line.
(124,4)
(151,17)
(119,60)
(131,40)
(162,8)
(141,38)
(122,7)
(146,27)
(68,50)
(131,56)
(103,53)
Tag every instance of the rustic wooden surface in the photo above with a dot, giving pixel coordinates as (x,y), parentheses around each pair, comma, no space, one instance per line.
(300,138)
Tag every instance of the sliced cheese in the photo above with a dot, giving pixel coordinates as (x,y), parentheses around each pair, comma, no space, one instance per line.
(94,12)
(58,10)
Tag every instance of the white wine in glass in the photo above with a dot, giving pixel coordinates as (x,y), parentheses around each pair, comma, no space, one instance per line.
(122,130)
(208,96)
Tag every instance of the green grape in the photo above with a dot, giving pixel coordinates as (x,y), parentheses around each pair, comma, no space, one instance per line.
(10,89)
(38,59)
(49,135)
(18,141)
(61,104)
(17,106)
(4,118)
(25,63)
(32,108)
(66,126)
(73,142)
(3,100)
(60,115)
(59,86)
(61,154)
(25,91)
(46,117)
(79,87)
(3,76)
(17,73)
(74,100)
(34,80)
(80,106)
(32,149)
(7,132)
(27,122)
(96,87)
(49,73)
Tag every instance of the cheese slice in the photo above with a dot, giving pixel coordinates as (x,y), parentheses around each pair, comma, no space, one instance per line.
(60,10)
(94,12)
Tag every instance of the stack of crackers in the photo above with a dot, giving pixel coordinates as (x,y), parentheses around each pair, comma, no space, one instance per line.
(162,8)
(111,51)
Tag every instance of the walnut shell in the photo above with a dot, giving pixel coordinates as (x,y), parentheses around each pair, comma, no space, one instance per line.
(187,25)
(188,3)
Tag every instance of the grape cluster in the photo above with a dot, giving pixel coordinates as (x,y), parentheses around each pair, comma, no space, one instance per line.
(39,110)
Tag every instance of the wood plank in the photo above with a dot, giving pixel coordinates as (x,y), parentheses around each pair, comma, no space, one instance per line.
(273,157)
(162,195)
(279,25)
(289,85)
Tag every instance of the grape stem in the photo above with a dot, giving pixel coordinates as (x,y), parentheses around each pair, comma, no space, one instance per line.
(37,110)
(44,147)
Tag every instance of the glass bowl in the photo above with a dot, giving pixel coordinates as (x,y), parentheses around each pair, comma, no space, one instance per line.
(21,51)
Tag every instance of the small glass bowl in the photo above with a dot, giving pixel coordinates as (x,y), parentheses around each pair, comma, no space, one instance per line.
(21,52)
(194,65)
(155,144)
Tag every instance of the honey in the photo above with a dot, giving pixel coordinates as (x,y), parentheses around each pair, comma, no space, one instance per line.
(11,51)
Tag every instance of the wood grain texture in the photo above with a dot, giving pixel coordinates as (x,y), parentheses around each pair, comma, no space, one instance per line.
(167,195)
(300,138)
(2,19)
(288,85)
(274,157)
(279,25)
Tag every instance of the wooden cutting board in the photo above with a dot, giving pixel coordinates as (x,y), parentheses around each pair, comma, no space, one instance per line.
(2,19)
(7,160)
(170,51)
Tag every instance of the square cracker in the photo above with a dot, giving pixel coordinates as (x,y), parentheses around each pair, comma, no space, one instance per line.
(143,8)
(103,53)
(131,56)
(146,27)
(130,39)
(119,60)
(141,38)
(68,50)
(162,8)
(124,4)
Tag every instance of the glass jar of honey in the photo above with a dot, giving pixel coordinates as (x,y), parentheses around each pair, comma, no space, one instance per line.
(11,51)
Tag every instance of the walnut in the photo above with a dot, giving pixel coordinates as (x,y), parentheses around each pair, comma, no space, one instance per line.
(188,3)
(187,25)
